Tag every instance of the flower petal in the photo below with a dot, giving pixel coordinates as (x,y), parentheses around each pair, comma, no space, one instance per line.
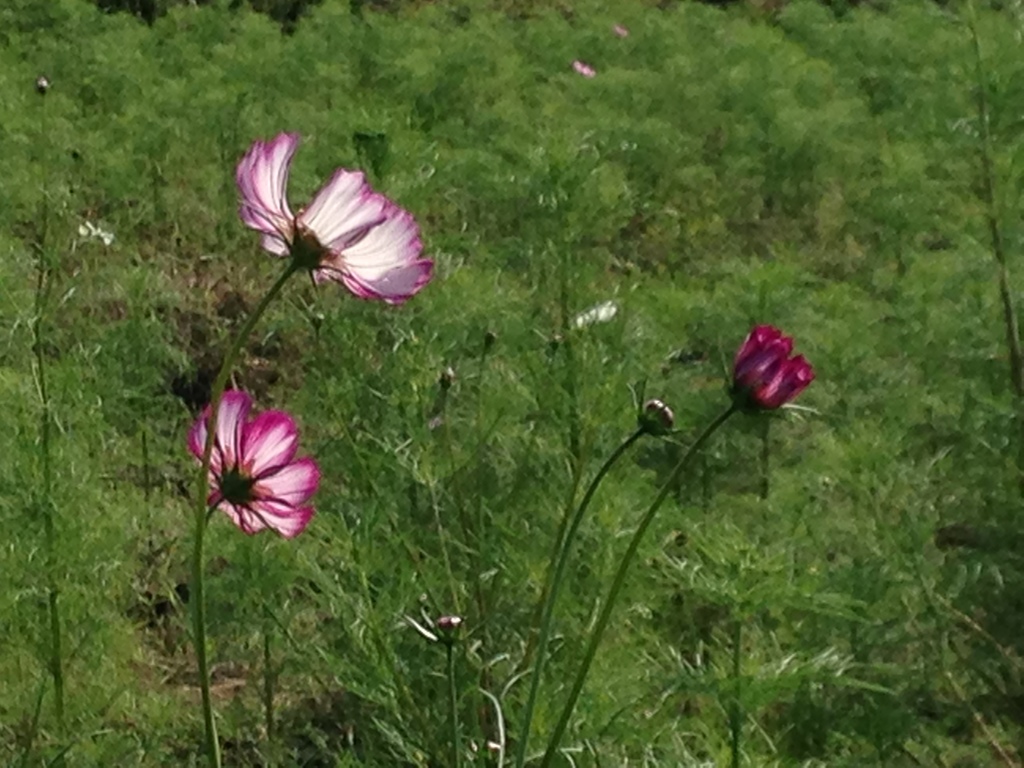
(269,443)
(197,435)
(244,518)
(291,485)
(385,264)
(343,210)
(231,417)
(262,178)
(287,520)
(764,376)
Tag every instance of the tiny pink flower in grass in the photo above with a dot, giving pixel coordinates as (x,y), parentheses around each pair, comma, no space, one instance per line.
(254,476)
(583,68)
(765,377)
(348,233)
(620,31)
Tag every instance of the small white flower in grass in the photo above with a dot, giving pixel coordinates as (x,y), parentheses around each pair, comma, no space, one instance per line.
(348,233)
(604,312)
(89,231)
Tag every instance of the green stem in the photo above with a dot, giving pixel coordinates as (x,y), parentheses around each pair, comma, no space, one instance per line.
(990,197)
(202,491)
(268,683)
(617,583)
(145,464)
(736,709)
(483,597)
(550,593)
(765,456)
(55,662)
(453,704)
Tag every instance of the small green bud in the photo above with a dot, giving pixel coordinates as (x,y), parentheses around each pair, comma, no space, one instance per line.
(656,418)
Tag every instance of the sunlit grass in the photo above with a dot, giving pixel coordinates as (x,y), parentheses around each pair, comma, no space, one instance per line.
(722,169)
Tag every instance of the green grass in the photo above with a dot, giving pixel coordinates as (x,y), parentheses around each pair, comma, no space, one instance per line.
(814,171)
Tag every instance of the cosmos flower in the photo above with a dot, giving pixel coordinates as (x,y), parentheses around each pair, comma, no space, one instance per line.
(348,233)
(255,478)
(765,377)
(620,31)
(584,69)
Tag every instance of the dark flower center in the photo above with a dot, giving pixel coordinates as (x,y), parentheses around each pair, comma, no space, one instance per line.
(236,486)
(306,251)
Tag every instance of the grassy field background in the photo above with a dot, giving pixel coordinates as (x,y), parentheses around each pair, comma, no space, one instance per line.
(812,167)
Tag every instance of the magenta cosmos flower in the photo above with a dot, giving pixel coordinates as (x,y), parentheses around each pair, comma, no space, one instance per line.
(584,69)
(348,233)
(254,475)
(764,375)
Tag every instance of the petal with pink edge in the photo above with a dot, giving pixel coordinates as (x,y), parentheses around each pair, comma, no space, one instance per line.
(243,518)
(287,520)
(385,264)
(269,442)
(292,485)
(262,178)
(231,417)
(395,286)
(197,435)
(343,210)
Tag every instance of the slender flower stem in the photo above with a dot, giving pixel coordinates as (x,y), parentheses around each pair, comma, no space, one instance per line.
(201,514)
(453,704)
(765,456)
(619,580)
(550,593)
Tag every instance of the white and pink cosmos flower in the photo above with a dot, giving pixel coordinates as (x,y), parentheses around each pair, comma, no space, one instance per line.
(348,233)
(255,478)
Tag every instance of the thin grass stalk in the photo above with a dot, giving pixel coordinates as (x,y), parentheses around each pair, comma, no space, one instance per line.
(147,482)
(453,704)
(483,596)
(990,197)
(620,577)
(569,384)
(735,705)
(549,595)
(55,662)
(212,745)
(268,684)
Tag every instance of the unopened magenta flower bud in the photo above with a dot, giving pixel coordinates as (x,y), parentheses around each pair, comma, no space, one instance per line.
(42,85)
(449,623)
(656,418)
(765,377)
(447,627)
